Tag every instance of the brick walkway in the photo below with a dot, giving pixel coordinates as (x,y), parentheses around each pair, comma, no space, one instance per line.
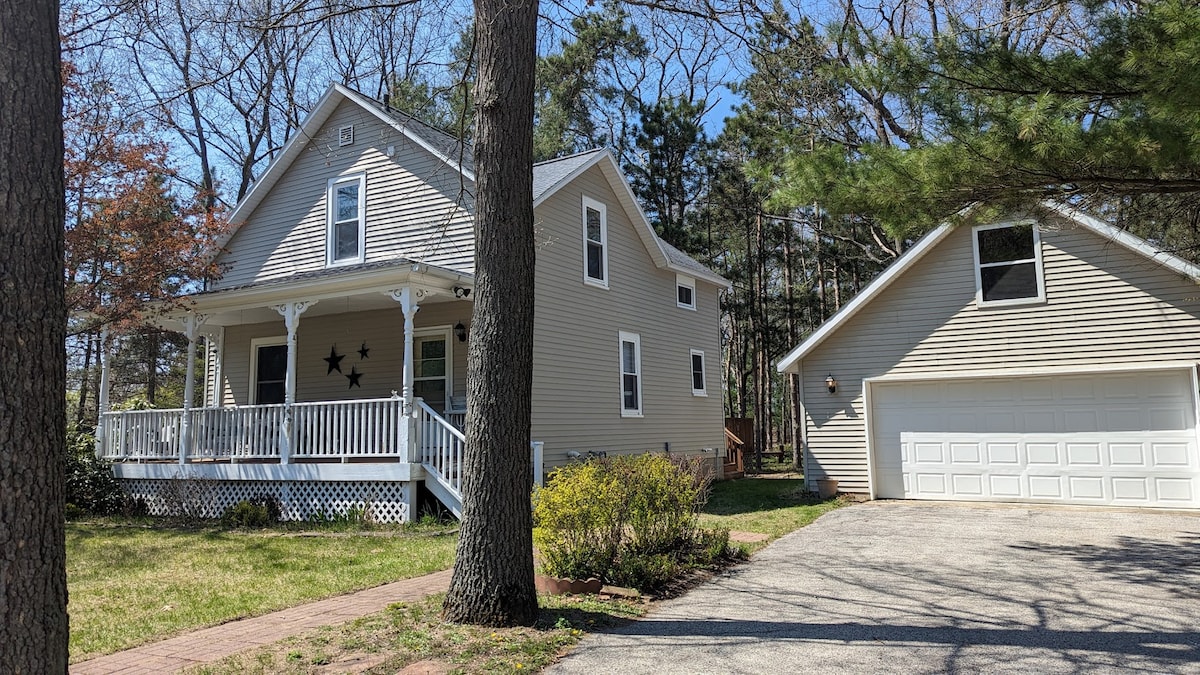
(212,644)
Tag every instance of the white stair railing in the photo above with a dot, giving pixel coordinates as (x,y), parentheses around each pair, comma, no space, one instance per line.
(442,448)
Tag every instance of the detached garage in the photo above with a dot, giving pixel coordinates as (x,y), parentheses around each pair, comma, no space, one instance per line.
(1049,358)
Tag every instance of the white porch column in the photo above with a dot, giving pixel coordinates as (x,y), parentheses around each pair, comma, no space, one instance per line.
(409,307)
(214,341)
(102,396)
(291,312)
(191,330)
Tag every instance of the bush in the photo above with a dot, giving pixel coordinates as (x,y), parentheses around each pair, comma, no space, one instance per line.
(258,511)
(91,486)
(630,521)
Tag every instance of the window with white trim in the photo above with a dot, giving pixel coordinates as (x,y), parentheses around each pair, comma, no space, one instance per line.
(346,216)
(698,388)
(595,243)
(631,374)
(685,292)
(1008,264)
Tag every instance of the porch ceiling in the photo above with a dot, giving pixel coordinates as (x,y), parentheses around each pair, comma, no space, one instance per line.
(355,290)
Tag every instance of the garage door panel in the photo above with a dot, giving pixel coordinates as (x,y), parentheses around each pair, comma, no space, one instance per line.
(1079,439)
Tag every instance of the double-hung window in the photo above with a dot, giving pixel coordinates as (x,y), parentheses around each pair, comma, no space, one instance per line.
(698,388)
(685,292)
(1008,264)
(595,243)
(631,374)
(345,233)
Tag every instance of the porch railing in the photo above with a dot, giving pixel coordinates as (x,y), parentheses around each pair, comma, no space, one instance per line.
(143,434)
(442,448)
(345,429)
(244,432)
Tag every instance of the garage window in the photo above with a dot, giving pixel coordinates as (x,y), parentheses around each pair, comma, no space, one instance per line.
(1008,264)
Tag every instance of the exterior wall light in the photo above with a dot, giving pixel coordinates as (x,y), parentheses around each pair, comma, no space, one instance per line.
(831,384)
(460,332)
(462,292)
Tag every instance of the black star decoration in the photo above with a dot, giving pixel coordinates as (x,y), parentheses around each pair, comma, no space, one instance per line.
(353,377)
(362,351)
(334,361)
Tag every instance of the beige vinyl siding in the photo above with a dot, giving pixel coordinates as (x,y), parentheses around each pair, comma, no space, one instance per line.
(1105,305)
(417,206)
(381,330)
(576,377)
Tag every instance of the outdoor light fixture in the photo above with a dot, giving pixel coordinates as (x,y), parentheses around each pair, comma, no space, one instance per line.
(460,332)
(831,383)
(461,292)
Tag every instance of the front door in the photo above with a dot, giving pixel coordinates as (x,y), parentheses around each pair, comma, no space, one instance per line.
(269,374)
(431,371)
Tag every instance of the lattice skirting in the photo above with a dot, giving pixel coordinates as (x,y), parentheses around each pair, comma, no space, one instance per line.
(378,501)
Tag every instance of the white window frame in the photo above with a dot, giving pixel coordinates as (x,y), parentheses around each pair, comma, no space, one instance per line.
(622,338)
(255,343)
(689,283)
(589,203)
(330,223)
(702,391)
(445,332)
(1036,260)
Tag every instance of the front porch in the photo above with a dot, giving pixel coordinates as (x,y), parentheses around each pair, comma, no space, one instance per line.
(373,439)
(295,401)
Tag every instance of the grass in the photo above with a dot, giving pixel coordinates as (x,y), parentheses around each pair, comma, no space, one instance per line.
(131,584)
(408,633)
(768,506)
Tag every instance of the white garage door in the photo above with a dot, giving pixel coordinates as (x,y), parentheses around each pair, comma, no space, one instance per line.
(1122,439)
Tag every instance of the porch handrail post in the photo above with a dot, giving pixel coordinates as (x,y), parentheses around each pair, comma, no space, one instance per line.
(102,397)
(191,326)
(291,312)
(409,307)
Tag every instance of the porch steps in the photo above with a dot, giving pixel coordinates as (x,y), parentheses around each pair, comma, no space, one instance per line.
(444,493)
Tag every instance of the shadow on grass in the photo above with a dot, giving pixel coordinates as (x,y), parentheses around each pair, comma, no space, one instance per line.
(747,495)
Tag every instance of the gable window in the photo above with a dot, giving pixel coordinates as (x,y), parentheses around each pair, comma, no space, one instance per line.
(346,212)
(595,243)
(685,292)
(1008,264)
(631,374)
(698,388)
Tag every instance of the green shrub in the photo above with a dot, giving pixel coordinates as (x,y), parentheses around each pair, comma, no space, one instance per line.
(630,521)
(258,511)
(91,486)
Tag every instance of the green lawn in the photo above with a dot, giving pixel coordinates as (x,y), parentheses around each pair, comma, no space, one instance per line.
(770,506)
(131,584)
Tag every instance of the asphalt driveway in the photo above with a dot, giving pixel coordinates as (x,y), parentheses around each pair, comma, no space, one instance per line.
(911,587)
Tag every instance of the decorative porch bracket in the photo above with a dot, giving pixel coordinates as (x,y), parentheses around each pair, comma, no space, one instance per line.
(191,330)
(102,396)
(409,307)
(291,312)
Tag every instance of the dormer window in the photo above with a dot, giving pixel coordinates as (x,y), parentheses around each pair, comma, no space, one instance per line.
(595,243)
(1008,264)
(685,292)
(346,215)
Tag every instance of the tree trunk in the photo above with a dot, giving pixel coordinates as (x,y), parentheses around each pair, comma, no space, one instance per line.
(492,583)
(33,583)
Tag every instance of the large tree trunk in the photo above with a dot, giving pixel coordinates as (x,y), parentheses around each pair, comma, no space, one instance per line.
(33,583)
(492,583)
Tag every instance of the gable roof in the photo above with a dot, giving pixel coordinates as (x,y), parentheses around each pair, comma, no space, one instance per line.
(548,176)
(935,236)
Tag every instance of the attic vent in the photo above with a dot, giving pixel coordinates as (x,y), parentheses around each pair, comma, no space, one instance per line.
(346,135)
